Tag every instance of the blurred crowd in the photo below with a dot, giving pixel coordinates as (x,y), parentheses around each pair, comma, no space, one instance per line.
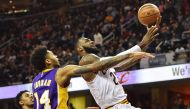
(177,101)
(113,25)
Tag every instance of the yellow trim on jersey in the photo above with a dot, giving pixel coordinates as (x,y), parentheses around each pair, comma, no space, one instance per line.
(46,70)
(125,101)
(62,97)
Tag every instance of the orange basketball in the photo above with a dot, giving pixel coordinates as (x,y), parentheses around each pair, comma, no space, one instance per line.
(148,14)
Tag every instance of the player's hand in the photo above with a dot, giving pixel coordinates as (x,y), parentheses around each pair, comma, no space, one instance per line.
(149,37)
(158,21)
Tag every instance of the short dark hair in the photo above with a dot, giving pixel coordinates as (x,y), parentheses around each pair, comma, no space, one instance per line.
(18,97)
(38,57)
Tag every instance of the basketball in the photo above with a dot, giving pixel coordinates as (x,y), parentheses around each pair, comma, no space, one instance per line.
(148,14)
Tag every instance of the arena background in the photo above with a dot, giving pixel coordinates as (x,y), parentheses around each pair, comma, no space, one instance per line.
(160,83)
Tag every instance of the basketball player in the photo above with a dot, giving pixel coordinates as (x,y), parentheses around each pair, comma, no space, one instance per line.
(104,86)
(24,100)
(50,85)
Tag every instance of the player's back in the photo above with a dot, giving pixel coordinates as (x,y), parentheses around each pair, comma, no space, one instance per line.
(47,93)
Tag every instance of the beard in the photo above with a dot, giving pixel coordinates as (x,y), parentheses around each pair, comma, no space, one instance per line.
(91,50)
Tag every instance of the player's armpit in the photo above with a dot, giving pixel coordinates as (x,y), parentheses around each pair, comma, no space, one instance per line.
(62,77)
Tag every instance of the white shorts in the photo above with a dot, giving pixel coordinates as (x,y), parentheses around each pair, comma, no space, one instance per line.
(124,106)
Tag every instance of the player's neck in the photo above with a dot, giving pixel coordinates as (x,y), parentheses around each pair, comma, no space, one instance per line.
(27,107)
(50,67)
(83,54)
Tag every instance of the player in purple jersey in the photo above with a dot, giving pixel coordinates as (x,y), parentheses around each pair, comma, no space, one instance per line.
(50,85)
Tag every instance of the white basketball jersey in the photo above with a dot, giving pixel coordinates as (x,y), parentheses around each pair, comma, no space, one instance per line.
(106,89)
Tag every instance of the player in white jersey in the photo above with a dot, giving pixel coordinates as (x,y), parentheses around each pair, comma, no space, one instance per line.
(104,86)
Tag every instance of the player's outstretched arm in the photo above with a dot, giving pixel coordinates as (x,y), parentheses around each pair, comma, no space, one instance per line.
(127,64)
(65,73)
(130,62)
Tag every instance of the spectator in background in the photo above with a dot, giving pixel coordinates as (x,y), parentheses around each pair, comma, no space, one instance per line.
(98,39)
(24,100)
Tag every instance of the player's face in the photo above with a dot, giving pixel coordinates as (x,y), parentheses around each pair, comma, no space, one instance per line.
(52,58)
(27,99)
(88,45)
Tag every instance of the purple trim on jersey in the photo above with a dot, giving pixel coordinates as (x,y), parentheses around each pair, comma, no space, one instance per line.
(53,93)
